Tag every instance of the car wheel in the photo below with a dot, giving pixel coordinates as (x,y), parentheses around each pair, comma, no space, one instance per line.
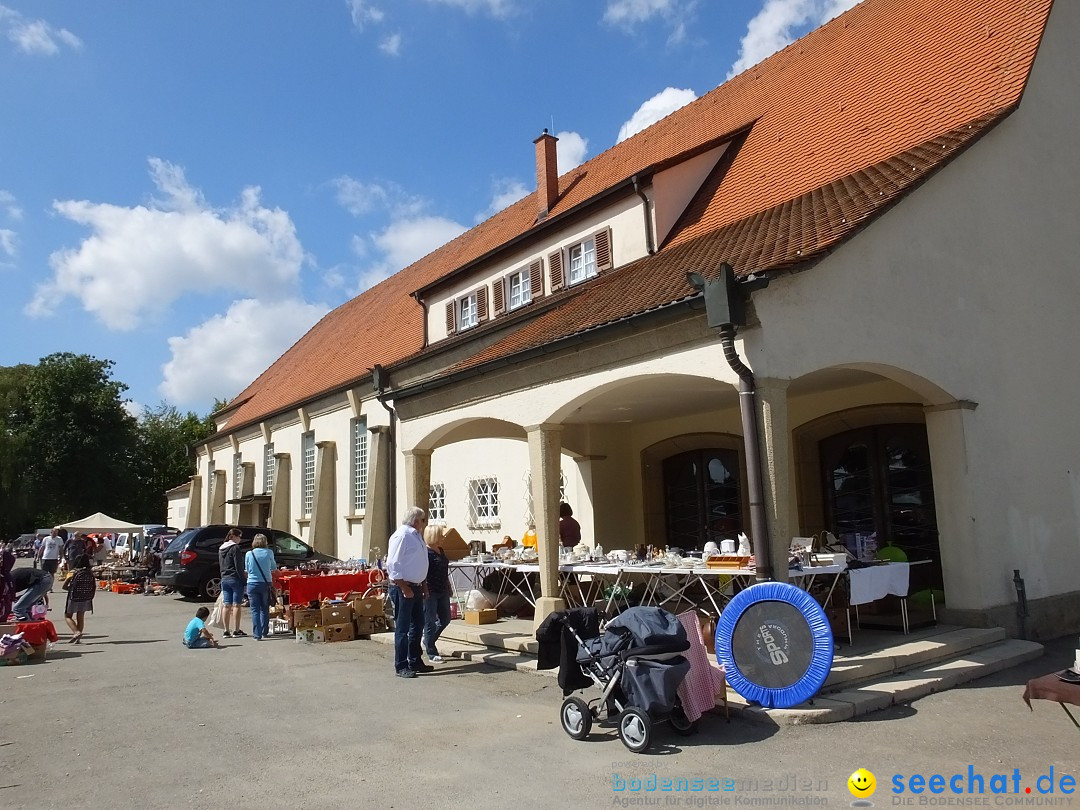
(211,588)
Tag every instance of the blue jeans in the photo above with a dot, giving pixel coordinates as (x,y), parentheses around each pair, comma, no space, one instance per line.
(232,591)
(30,596)
(259,602)
(198,644)
(436,617)
(408,628)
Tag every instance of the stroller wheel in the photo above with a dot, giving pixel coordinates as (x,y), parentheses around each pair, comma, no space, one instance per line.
(635,729)
(576,718)
(679,721)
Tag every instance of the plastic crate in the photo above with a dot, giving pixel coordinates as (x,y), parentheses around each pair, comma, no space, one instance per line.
(279,627)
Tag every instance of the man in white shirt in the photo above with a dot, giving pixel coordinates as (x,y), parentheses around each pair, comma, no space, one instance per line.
(50,551)
(407,567)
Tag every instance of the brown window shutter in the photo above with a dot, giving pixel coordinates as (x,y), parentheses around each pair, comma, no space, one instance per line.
(555,263)
(498,295)
(536,279)
(481,304)
(603,250)
(451,320)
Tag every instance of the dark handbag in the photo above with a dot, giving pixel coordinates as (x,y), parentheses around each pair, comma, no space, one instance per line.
(271,599)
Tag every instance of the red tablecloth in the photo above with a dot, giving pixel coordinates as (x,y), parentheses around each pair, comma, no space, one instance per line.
(302,589)
(37,633)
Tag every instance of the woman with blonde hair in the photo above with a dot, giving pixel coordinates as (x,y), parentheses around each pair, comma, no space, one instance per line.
(437,602)
(260,564)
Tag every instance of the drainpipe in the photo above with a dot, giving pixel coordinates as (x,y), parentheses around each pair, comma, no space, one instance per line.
(752,451)
(725,309)
(424,307)
(379,381)
(649,245)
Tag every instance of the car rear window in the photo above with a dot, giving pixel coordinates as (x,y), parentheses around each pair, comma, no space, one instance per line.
(180,541)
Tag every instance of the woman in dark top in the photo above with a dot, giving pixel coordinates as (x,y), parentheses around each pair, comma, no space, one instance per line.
(81,589)
(437,602)
(569,528)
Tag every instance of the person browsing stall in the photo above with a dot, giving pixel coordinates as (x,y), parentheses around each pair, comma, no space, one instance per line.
(260,564)
(407,568)
(34,584)
(437,602)
(231,563)
(51,550)
(569,528)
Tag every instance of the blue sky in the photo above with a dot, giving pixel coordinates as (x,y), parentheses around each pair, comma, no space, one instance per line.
(186,188)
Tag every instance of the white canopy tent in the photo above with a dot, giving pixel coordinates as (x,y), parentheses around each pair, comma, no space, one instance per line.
(100,522)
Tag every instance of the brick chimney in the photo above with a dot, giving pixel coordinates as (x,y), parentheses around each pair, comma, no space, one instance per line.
(547,173)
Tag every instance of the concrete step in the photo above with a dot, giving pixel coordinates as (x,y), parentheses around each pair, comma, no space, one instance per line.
(919,649)
(897,687)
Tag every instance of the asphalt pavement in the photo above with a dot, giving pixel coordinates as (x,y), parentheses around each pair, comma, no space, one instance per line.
(131,717)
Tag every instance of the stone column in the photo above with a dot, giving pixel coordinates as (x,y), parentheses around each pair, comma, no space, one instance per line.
(280,498)
(418,477)
(777,468)
(323,520)
(379,524)
(545,446)
(219,489)
(194,503)
(246,512)
(972,573)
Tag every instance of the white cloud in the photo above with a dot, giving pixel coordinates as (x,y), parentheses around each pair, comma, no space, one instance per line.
(570,150)
(496,8)
(631,12)
(659,106)
(10,206)
(36,37)
(7,242)
(779,23)
(138,260)
(219,357)
(362,12)
(404,241)
(505,191)
(391,45)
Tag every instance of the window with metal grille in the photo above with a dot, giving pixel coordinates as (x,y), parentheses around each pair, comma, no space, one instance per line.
(238,472)
(437,503)
(483,506)
(359,464)
(269,468)
(530,518)
(307,454)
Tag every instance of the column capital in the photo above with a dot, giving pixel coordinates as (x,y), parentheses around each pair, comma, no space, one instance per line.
(416,453)
(544,427)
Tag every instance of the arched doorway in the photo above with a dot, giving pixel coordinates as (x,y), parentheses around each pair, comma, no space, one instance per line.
(702,497)
(878,482)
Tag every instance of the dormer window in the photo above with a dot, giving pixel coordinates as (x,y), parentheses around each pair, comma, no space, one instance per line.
(467,311)
(582,260)
(521,287)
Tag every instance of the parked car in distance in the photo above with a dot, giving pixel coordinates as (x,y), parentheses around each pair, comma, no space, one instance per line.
(190,562)
(155,535)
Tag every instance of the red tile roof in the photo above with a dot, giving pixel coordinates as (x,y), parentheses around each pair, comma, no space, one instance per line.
(845,120)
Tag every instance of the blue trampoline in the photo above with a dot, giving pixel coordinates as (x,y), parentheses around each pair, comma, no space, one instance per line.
(775,644)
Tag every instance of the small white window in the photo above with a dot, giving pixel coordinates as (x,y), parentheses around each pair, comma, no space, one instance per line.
(269,468)
(238,473)
(359,465)
(483,503)
(467,312)
(437,503)
(582,261)
(520,287)
(307,454)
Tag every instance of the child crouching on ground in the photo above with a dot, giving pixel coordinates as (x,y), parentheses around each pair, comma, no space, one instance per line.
(196,635)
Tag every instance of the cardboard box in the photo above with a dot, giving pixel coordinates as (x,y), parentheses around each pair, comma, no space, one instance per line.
(310,635)
(38,655)
(485,616)
(336,614)
(365,626)
(305,617)
(340,632)
(367,608)
(453,545)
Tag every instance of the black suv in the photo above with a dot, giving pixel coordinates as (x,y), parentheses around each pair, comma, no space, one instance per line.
(190,562)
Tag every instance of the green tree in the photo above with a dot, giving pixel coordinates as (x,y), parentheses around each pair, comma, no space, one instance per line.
(16,505)
(165,458)
(80,441)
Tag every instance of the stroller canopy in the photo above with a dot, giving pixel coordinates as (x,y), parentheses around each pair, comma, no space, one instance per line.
(650,627)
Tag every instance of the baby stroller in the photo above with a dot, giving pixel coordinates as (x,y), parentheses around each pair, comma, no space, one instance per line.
(637,666)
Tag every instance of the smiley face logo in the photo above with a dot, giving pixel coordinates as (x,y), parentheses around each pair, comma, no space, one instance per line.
(862,784)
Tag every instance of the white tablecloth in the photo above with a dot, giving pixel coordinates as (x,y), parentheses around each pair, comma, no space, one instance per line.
(876,581)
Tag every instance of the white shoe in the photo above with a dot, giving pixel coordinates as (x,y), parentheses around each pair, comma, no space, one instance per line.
(436,659)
